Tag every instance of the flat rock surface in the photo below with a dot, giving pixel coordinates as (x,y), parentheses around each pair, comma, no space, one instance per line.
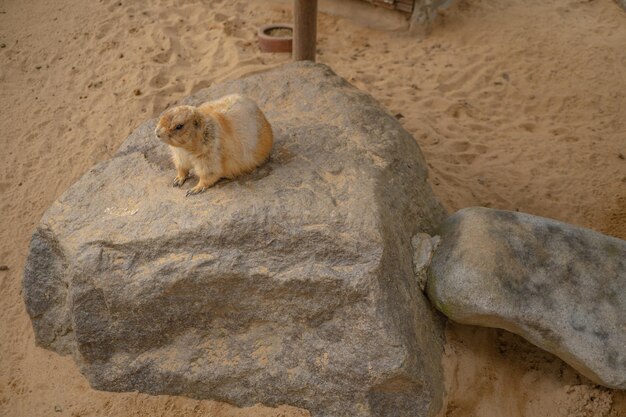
(291,285)
(561,287)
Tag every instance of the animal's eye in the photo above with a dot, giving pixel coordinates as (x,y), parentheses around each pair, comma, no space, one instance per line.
(178,127)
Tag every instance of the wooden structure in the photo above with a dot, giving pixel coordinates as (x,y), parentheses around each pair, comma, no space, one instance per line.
(305,23)
(304,30)
(400,5)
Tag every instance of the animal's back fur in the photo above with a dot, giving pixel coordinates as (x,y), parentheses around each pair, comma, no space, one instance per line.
(245,136)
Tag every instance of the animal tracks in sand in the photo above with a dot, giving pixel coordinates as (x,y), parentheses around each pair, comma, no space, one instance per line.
(515,105)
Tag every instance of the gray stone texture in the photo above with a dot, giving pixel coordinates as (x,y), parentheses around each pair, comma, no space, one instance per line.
(561,287)
(425,13)
(292,285)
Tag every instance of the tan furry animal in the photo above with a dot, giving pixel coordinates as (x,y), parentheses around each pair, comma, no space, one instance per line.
(218,139)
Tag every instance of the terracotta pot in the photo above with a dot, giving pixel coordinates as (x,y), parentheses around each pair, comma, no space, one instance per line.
(269,43)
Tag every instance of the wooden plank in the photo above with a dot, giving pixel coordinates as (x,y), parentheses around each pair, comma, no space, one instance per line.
(405,7)
(400,5)
(382,3)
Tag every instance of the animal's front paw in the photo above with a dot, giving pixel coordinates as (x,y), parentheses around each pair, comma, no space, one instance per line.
(195,190)
(179,180)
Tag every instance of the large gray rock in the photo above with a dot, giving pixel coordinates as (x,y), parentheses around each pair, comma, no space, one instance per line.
(293,285)
(561,287)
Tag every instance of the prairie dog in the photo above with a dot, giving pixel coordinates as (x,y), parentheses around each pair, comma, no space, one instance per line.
(218,139)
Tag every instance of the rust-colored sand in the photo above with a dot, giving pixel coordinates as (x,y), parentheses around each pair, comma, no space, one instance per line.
(516,105)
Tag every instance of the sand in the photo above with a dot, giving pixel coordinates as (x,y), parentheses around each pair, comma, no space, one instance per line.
(516,105)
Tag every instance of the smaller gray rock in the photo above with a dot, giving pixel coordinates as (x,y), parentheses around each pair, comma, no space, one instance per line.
(561,287)
(622,3)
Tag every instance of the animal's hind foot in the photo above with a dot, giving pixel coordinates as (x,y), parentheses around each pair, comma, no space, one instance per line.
(203,184)
(195,190)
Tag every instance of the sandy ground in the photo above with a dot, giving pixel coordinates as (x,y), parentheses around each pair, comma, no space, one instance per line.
(516,105)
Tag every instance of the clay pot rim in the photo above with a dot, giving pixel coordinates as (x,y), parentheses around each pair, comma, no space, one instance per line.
(269,43)
(266,28)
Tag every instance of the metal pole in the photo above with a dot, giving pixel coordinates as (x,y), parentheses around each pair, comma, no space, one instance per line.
(304,29)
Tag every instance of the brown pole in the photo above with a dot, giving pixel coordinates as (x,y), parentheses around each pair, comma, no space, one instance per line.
(304,29)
